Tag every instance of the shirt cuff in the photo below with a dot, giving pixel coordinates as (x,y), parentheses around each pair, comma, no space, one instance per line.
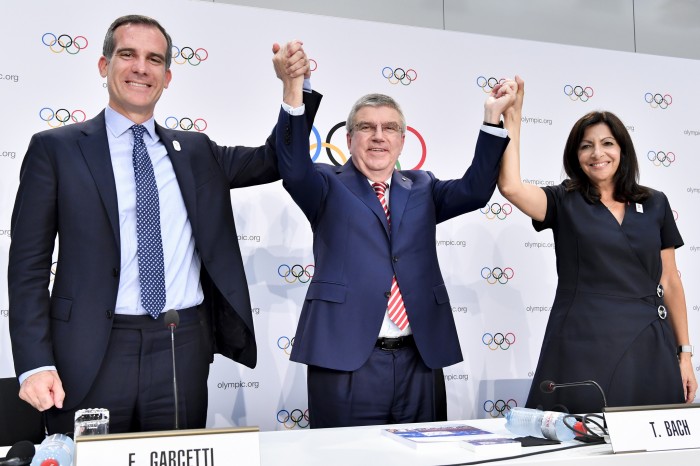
(495,131)
(24,376)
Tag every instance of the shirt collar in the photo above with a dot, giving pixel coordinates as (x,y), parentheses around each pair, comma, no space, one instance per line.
(118,124)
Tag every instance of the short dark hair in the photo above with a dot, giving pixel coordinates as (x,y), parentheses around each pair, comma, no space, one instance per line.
(626,179)
(109,45)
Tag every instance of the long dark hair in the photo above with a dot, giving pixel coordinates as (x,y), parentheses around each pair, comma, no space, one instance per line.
(626,179)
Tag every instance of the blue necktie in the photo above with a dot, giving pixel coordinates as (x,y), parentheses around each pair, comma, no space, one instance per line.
(148,236)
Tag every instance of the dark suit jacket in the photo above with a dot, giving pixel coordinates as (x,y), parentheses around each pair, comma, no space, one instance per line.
(356,255)
(67,188)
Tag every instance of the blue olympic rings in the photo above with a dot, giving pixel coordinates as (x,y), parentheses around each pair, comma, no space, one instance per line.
(498,340)
(285,344)
(296,272)
(496,210)
(578,92)
(64,42)
(399,75)
(62,116)
(297,418)
(497,274)
(658,100)
(199,125)
(188,55)
(487,84)
(661,158)
(499,407)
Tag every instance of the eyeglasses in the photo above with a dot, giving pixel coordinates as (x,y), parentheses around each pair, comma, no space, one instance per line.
(371,128)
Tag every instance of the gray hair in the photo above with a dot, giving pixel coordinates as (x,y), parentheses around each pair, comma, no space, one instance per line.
(374,100)
(108,46)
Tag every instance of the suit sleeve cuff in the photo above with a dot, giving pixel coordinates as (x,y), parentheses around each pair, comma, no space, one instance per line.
(495,131)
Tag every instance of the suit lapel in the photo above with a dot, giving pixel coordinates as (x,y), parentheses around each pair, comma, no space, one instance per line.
(399,192)
(181,156)
(357,183)
(95,150)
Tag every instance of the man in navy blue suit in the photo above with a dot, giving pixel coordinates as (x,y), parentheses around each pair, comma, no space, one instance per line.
(376,326)
(98,340)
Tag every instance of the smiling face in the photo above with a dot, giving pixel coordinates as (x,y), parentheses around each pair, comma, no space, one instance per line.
(136,73)
(375,141)
(599,154)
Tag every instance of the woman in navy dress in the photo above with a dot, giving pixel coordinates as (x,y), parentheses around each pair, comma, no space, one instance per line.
(619,314)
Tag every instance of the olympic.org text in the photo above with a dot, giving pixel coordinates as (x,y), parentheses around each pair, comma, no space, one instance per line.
(5,233)
(528,244)
(692,132)
(462,309)
(255,238)
(8,154)
(255,310)
(693,190)
(538,309)
(237,385)
(456,377)
(540,182)
(441,242)
(9,77)
(630,128)
(536,121)
(692,248)
(4,312)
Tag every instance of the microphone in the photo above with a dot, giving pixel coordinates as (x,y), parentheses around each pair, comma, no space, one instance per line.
(20,454)
(172,319)
(547,386)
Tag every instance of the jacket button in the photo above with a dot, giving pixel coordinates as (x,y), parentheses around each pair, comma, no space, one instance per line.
(395,258)
(109,313)
(387,294)
(115,272)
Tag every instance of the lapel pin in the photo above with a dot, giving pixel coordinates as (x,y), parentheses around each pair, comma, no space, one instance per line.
(640,209)
(176,145)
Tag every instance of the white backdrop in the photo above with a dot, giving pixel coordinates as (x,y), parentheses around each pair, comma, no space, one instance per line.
(228,86)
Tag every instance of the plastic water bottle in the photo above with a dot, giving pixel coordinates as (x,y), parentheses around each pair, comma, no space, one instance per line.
(55,450)
(535,423)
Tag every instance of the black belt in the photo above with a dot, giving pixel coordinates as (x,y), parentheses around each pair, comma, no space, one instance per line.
(395,343)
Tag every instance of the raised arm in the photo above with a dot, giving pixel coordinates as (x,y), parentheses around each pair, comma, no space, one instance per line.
(530,199)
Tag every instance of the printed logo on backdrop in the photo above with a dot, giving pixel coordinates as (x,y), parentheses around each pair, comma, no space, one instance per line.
(675,215)
(498,340)
(285,344)
(658,100)
(64,43)
(293,419)
(661,158)
(61,116)
(186,123)
(8,154)
(296,273)
(487,84)
(456,377)
(332,146)
(54,267)
(497,275)
(399,75)
(189,55)
(578,92)
(498,408)
(496,210)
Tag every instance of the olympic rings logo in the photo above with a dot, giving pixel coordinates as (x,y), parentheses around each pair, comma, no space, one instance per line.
(285,344)
(497,408)
(498,340)
(661,158)
(578,92)
(312,65)
(497,274)
(399,75)
(64,42)
(199,125)
(487,84)
(296,273)
(675,215)
(189,55)
(54,266)
(658,100)
(297,418)
(496,210)
(330,148)
(61,116)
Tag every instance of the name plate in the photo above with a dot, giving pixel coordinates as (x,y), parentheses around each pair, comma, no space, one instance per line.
(653,428)
(196,447)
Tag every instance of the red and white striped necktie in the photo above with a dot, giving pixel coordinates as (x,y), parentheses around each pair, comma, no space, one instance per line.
(396,309)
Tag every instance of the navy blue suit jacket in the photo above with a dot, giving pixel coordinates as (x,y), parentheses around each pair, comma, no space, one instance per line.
(356,255)
(67,188)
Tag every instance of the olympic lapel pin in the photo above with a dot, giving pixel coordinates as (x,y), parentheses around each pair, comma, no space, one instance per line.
(176,145)
(640,209)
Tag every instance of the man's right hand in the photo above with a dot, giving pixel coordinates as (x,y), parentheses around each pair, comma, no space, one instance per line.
(43,390)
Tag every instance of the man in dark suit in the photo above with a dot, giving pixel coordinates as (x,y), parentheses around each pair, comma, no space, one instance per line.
(376,326)
(144,223)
